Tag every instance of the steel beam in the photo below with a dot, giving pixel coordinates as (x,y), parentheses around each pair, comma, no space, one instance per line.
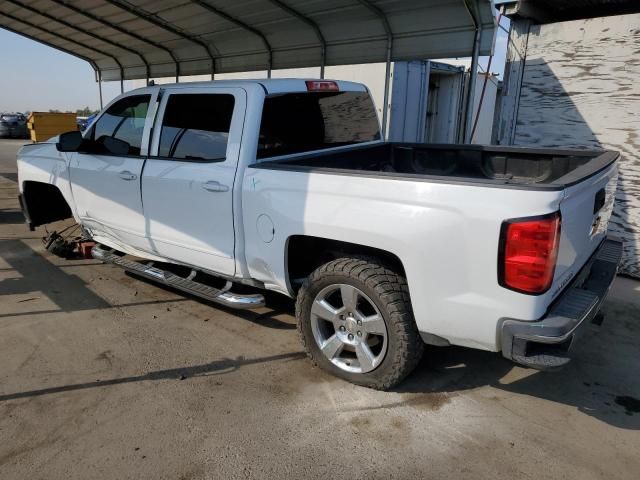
(120,29)
(158,22)
(242,25)
(316,28)
(387,74)
(100,88)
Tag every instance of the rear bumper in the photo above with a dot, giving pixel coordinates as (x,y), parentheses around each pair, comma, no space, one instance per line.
(544,344)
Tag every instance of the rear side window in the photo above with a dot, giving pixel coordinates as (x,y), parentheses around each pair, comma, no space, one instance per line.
(300,122)
(196,126)
(124,120)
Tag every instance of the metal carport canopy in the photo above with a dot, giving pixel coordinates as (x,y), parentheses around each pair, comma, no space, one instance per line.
(129,39)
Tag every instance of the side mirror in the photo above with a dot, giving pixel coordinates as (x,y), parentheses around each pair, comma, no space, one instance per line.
(69,142)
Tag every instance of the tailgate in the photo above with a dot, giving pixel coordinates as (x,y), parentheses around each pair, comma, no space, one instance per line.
(585,209)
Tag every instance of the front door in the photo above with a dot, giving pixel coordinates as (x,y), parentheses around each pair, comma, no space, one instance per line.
(187,184)
(106,184)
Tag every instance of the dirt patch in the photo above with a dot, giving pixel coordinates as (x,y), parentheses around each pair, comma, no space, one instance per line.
(360,423)
(106,356)
(424,401)
(301,379)
(364,423)
(387,430)
(429,401)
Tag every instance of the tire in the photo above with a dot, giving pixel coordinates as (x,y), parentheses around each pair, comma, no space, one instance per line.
(388,293)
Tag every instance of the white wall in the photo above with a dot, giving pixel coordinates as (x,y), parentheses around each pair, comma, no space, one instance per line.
(577,85)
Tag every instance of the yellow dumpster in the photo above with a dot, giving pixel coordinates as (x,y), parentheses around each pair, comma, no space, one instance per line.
(44,125)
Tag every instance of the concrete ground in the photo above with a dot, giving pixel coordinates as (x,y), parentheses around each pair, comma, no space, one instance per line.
(106,376)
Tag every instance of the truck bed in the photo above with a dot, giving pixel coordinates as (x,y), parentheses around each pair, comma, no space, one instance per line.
(493,165)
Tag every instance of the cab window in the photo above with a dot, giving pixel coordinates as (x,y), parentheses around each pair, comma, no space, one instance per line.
(301,122)
(196,127)
(124,120)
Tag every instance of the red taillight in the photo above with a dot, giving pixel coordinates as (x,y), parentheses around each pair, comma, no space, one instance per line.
(321,86)
(528,253)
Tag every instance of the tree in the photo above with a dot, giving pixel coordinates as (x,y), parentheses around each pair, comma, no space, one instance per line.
(85,112)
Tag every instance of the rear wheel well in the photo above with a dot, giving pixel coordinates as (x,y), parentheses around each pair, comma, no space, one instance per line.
(44,203)
(306,253)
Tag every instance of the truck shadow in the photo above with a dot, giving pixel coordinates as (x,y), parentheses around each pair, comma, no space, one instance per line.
(275,304)
(29,273)
(11,216)
(33,273)
(11,176)
(601,380)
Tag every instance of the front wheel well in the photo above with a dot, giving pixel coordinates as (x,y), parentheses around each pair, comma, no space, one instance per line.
(44,203)
(306,253)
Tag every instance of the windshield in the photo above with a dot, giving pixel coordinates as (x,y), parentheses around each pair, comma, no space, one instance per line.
(301,122)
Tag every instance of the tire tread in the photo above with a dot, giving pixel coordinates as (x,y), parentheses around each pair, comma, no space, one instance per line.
(392,290)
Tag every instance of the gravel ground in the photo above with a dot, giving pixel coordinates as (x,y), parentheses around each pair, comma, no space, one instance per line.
(107,376)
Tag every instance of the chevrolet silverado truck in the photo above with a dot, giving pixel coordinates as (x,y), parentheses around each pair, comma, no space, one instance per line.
(287,185)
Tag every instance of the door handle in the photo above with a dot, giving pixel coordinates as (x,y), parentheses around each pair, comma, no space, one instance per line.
(127,175)
(214,186)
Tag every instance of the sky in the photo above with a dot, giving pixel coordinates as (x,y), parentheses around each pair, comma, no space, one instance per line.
(35,77)
(40,78)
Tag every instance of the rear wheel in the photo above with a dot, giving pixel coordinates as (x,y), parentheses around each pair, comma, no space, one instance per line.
(355,321)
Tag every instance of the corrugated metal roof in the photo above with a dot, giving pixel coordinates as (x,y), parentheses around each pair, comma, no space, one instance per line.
(159,38)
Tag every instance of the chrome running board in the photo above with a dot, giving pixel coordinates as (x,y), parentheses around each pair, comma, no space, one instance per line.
(218,295)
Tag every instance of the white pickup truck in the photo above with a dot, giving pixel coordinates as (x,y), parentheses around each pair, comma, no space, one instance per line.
(286,185)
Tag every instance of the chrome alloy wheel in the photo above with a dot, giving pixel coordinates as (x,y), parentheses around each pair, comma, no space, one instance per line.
(348,328)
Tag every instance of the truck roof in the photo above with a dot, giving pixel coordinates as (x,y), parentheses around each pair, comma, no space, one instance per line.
(271,85)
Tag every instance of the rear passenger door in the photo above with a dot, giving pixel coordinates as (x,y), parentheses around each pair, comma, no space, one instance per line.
(187,183)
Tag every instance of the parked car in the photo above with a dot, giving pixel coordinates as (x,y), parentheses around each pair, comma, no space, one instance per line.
(81,122)
(286,185)
(13,125)
(84,122)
